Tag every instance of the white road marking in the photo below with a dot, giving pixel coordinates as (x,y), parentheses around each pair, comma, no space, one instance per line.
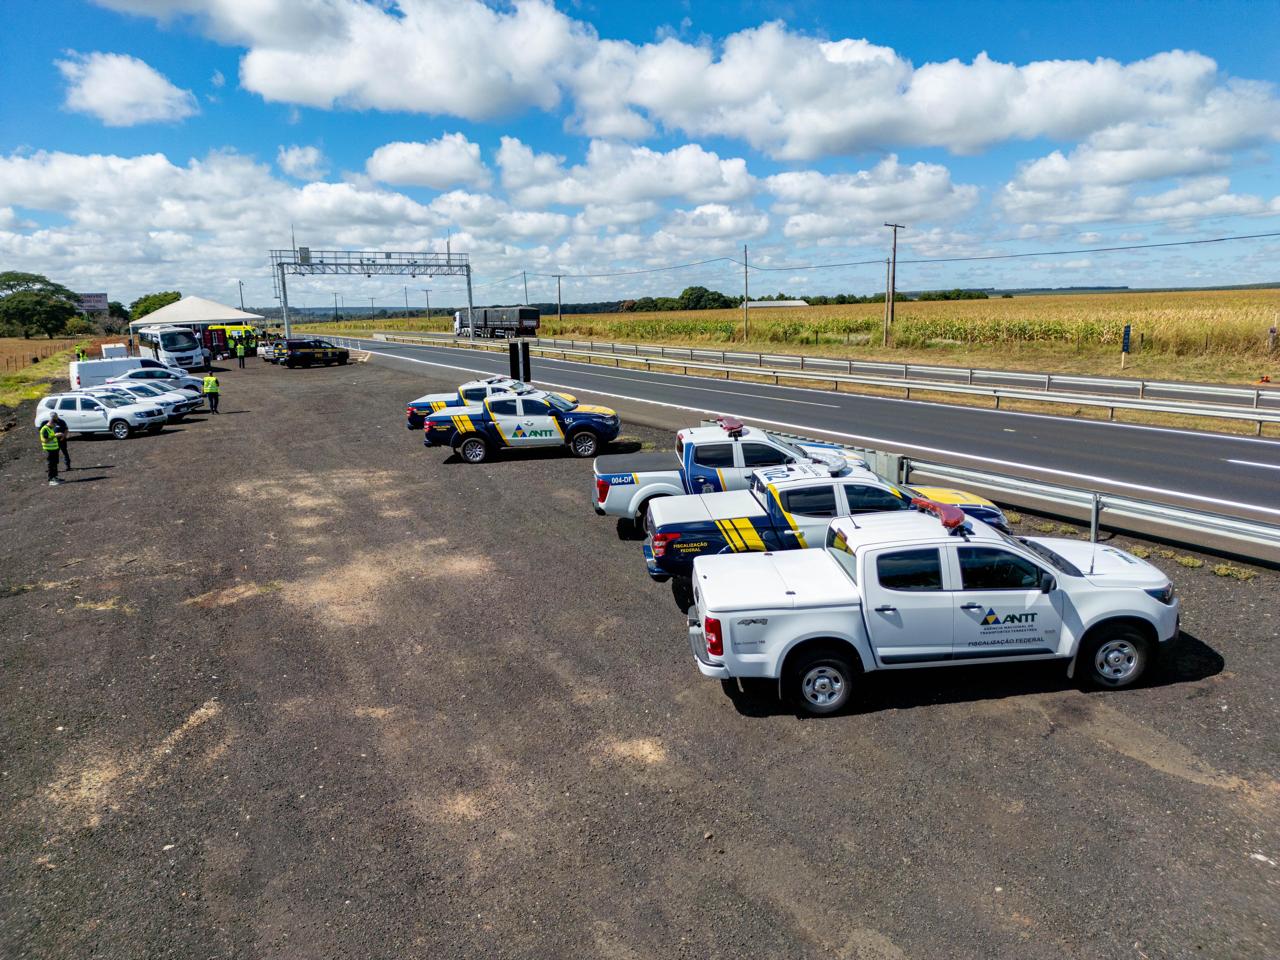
(1111,424)
(1254,463)
(887,444)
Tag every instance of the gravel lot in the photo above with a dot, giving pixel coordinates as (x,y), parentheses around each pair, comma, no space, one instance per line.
(283,684)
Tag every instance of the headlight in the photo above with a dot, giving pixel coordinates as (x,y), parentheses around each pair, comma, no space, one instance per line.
(1163,594)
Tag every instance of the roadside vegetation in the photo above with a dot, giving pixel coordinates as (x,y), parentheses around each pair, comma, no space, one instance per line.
(35,381)
(1218,335)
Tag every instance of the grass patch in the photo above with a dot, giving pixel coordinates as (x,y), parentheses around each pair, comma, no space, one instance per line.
(36,380)
(1140,552)
(1195,563)
(1242,574)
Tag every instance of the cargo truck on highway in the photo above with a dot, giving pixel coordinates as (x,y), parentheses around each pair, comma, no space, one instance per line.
(503,322)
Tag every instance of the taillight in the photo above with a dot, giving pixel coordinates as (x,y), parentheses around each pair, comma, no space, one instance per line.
(408,411)
(711,631)
(660,541)
(602,489)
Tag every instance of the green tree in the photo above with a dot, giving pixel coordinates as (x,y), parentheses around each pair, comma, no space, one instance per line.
(152,302)
(80,326)
(116,310)
(11,281)
(30,311)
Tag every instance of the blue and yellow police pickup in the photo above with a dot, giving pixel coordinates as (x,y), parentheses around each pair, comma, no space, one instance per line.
(785,508)
(706,460)
(472,392)
(533,419)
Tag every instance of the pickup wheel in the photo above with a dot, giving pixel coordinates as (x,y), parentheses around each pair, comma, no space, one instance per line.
(821,682)
(473,449)
(682,591)
(1114,657)
(584,444)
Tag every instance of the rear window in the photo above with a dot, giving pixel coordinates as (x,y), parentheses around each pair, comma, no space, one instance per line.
(988,568)
(502,408)
(865,499)
(910,570)
(762,455)
(714,455)
(474,393)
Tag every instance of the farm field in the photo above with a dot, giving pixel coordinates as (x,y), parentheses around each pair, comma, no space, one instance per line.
(28,381)
(1193,335)
(16,352)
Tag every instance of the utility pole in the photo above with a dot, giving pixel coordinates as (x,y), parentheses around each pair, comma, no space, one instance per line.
(284,304)
(406,301)
(886,302)
(471,309)
(559,305)
(427,291)
(371,308)
(746,323)
(335,306)
(893,271)
(241,282)
(525,274)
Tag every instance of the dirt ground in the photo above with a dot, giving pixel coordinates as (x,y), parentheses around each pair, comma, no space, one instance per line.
(282,683)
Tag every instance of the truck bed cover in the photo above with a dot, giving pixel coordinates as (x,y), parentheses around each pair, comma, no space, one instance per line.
(637,462)
(790,579)
(707,507)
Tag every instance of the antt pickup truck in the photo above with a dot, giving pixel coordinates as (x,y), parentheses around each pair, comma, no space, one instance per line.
(785,508)
(895,591)
(472,392)
(706,460)
(534,419)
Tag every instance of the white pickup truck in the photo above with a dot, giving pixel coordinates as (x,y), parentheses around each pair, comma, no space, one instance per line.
(901,590)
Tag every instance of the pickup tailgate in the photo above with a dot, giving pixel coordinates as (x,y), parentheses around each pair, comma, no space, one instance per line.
(791,579)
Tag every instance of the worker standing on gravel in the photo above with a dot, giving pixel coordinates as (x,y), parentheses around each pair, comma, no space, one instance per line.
(240,351)
(211,391)
(60,427)
(49,441)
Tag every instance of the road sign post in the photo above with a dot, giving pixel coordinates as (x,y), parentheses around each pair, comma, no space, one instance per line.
(1124,345)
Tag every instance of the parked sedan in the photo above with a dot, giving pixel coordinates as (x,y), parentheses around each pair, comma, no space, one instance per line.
(164,378)
(175,403)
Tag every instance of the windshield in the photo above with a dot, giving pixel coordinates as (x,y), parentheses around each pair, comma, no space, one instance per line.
(790,447)
(177,341)
(112,402)
(560,403)
(1055,560)
(144,389)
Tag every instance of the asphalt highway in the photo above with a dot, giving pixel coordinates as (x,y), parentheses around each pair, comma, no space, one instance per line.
(1226,474)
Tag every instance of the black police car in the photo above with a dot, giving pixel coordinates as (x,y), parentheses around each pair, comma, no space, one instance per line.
(307,353)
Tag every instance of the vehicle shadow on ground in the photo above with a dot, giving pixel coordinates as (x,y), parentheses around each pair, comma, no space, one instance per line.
(66,480)
(545,453)
(1190,661)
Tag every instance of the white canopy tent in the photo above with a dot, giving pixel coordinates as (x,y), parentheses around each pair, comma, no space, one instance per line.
(194,312)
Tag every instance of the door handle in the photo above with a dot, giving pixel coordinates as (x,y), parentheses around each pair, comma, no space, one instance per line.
(885,608)
(970,606)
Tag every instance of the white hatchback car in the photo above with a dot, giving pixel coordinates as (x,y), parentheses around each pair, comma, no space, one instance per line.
(107,413)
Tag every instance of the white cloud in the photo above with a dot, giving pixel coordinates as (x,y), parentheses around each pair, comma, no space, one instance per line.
(305,163)
(618,173)
(218,80)
(122,91)
(445,162)
(790,94)
(1193,199)
(487,216)
(719,221)
(819,205)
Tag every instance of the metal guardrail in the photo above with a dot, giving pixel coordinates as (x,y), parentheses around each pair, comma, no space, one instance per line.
(1256,415)
(1251,397)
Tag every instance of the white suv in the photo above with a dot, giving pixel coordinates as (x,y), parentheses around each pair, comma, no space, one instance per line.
(164,377)
(176,403)
(84,413)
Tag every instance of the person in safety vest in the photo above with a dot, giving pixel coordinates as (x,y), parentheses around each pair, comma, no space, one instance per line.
(60,426)
(49,439)
(240,351)
(211,392)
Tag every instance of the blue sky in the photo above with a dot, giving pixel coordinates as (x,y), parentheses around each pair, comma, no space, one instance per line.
(169,143)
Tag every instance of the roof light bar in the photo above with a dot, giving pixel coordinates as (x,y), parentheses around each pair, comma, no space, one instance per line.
(731,426)
(952,517)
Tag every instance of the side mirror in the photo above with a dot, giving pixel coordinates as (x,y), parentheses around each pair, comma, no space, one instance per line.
(1048,583)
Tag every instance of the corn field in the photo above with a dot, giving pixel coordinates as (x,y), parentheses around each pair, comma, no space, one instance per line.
(1227,322)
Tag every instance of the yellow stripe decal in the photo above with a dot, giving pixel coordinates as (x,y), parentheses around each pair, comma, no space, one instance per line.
(748,533)
(721,476)
(791,521)
(731,536)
